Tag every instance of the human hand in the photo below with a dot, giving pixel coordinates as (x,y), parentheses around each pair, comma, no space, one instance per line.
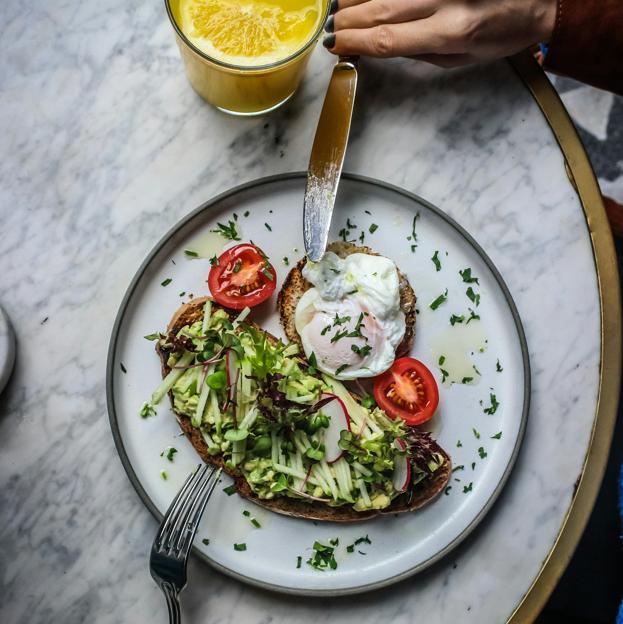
(447,33)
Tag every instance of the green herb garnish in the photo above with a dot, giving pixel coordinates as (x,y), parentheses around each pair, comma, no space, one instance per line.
(169,453)
(122,367)
(164,475)
(473,296)
(497,436)
(436,261)
(467,488)
(472,315)
(467,276)
(228,231)
(456,318)
(439,300)
(286,261)
(190,253)
(214,260)
(229,490)
(373,228)
(299,560)
(361,351)
(481,452)
(323,557)
(493,408)
(341,368)
(205,541)
(268,227)
(240,547)
(166,282)
(498,367)
(476,434)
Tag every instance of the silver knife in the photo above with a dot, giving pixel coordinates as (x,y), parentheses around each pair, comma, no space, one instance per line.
(327,156)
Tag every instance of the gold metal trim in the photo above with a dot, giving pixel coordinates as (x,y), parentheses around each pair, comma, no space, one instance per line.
(583,179)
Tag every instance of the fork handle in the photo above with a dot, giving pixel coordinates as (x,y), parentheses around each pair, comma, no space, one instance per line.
(173,603)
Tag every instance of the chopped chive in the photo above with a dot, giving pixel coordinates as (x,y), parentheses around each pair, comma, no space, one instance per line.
(169,453)
(461,467)
(341,368)
(152,336)
(147,410)
(498,367)
(467,488)
(166,282)
(373,228)
(459,444)
(447,490)
(442,359)
(467,380)
(164,475)
(205,541)
(476,434)
(230,489)
(481,452)
(268,227)
(350,548)
(240,547)
(190,253)
(182,293)
(123,368)
(444,375)
(285,260)
(299,560)
(214,261)
(246,213)
(237,266)
(497,436)
(350,225)
(255,523)
(473,465)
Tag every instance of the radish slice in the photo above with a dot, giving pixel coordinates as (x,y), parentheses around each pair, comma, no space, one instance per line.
(231,366)
(338,421)
(402,467)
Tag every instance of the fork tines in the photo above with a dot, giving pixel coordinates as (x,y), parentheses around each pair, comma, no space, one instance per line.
(180,523)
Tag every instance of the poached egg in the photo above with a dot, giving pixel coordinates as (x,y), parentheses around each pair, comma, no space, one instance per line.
(350,320)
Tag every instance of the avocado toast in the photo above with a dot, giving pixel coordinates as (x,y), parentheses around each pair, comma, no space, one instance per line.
(255,406)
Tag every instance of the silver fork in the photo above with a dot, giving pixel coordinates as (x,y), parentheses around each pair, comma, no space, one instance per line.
(169,552)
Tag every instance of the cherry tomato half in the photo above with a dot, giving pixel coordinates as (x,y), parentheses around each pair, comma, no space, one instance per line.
(407,390)
(243,277)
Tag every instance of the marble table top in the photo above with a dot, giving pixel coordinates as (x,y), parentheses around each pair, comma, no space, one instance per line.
(105,146)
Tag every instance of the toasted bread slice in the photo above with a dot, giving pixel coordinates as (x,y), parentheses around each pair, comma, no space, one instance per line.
(193,311)
(295,285)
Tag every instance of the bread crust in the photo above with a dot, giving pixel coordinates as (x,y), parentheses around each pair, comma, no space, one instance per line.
(191,312)
(295,285)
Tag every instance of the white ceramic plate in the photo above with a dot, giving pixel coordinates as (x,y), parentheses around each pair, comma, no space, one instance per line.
(402,545)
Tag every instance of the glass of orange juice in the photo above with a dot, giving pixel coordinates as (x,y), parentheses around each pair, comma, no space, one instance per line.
(246,57)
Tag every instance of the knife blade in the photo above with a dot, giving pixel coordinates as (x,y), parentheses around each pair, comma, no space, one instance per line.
(327,156)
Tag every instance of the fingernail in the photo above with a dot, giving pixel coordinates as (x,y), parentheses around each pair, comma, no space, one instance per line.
(332,7)
(329,41)
(329,26)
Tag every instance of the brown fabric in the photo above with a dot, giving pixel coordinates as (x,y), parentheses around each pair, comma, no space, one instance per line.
(587,43)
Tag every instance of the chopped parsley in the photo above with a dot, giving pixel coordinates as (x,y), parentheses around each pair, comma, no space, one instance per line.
(373,228)
(325,330)
(456,318)
(467,276)
(472,315)
(467,380)
(169,453)
(476,434)
(240,547)
(436,261)
(323,557)
(497,436)
(214,260)
(481,452)
(123,368)
(498,367)
(361,351)
(268,227)
(341,368)
(228,231)
(467,488)
(493,408)
(205,541)
(147,410)
(439,300)
(340,320)
(166,282)
(473,296)
(230,489)
(190,253)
